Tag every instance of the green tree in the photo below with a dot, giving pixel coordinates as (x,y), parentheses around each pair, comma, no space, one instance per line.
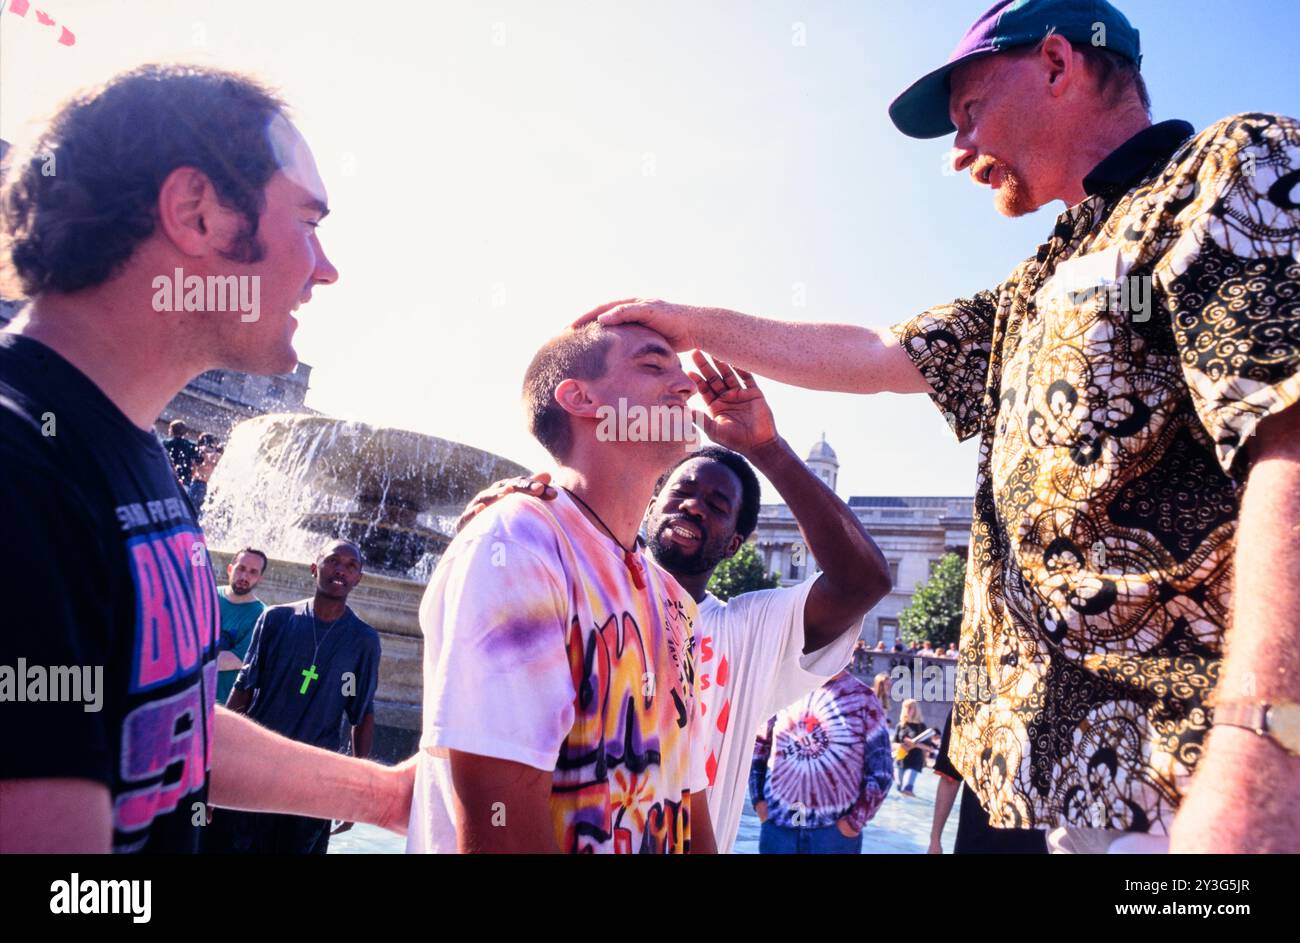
(742,573)
(934,614)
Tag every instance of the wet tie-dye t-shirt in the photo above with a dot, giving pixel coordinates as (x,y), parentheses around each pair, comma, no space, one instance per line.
(825,757)
(541,648)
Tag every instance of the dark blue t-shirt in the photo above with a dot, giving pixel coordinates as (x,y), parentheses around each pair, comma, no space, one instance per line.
(290,697)
(113,595)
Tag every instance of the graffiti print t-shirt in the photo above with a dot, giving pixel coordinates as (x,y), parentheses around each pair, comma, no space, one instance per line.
(116,584)
(541,648)
(1114,381)
(751,664)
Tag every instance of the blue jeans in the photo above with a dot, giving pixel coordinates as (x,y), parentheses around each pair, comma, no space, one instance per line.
(777,840)
(906,777)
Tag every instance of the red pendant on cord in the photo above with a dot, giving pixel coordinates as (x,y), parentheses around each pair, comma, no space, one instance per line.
(630,561)
(635,568)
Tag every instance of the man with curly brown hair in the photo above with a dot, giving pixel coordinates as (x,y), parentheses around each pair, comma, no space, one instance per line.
(165,172)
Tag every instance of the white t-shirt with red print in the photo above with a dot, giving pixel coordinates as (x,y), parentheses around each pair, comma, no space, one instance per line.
(750,664)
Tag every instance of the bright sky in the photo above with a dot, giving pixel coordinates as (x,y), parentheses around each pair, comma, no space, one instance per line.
(497,168)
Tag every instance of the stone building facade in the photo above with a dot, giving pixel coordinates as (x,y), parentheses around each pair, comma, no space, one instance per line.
(912,532)
(215,401)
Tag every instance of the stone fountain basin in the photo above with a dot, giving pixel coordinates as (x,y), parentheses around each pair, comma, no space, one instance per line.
(375,466)
(288,481)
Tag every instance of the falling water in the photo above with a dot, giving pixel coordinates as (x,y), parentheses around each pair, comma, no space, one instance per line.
(288,482)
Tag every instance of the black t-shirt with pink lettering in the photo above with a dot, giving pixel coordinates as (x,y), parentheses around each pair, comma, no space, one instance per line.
(107,641)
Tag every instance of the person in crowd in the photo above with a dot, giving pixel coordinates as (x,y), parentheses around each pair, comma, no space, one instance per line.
(909,755)
(820,770)
(239,609)
(859,655)
(210,451)
(880,687)
(310,665)
(181,451)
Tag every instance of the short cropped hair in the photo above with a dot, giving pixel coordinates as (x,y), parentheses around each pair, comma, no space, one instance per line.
(1115,75)
(257,553)
(341,541)
(111,150)
(751,493)
(574,355)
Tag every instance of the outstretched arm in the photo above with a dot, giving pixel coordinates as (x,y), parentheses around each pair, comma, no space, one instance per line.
(843,358)
(260,771)
(363,738)
(854,574)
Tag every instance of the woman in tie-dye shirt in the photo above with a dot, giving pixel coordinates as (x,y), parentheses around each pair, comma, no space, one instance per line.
(821,770)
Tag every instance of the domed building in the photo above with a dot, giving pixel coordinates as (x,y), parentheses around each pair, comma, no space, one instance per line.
(823,462)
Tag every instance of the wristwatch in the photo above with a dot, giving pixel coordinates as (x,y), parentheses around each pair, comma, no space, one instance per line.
(1279,722)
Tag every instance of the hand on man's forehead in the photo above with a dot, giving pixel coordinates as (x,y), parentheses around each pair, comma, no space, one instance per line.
(637,339)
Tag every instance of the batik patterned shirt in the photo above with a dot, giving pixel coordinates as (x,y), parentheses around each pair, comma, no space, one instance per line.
(543,646)
(824,758)
(1114,381)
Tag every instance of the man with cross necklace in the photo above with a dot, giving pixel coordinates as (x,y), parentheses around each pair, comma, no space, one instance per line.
(310,664)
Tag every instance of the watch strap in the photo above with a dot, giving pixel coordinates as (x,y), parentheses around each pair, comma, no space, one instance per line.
(1248,714)
(1279,722)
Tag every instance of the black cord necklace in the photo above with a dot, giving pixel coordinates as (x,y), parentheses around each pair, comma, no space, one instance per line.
(629,559)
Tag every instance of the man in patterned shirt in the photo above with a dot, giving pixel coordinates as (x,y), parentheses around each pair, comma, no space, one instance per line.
(1133,384)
